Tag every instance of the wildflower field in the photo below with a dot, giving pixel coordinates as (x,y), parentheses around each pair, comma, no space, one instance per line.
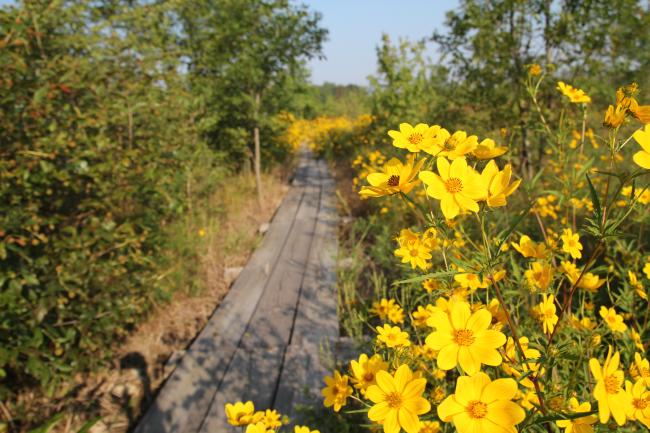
(500,267)
(494,251)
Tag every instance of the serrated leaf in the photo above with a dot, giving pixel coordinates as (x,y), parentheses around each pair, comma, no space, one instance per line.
(594,198)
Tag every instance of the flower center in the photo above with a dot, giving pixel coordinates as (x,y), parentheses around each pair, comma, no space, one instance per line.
(393,180)
(414,253)
(451,143)
(394,400)
(454,185)
(464,337)
(549,313)
(644,372)
(415,138)
(369,376)
(611,385)
(477,409)
(639,403)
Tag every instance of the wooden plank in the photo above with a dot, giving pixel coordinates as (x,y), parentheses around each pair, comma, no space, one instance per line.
(317,310)
(304,367)
(186,396)
(262,348)
(317,328)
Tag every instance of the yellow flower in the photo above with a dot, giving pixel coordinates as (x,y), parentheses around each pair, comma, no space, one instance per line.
(365,369)
(527,248)
(571,243)
(464,338)
(642,195)
(642,157)
(407,237)
(612,399)
(589,281)
(304,429)
(487,149)
(453,145)
(398,400)
(429,427)
(392,336)
(637,285)
(414,139)
(640,369)
(613,320)
(336,391)
(430,285)
(498,313)
(546,311)
(241,413)
(575,95)
(582,324)
(498,183)
(614,116)
(625,98)
(458,186)
(522,371)
(482,406)
(578,425)
(534,69)
(201,233)
(425,351)
(422,314)
(539,275)
(636,338)
(396,314)
(271,418)
(639,396)
(470,281)
(259,427)
(415,253)
(394,178)
(382,307)
(430,238)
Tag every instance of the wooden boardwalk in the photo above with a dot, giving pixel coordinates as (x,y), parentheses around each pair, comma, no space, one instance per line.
(263,343)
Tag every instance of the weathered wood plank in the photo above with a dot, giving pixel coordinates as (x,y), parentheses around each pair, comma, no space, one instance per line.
(264,341)
(316,317)
(316,328)
(262,348)
(186,396)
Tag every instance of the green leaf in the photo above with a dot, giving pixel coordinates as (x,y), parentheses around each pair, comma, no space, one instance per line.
(425,277)
(594,198)
(88,425)
(506,233)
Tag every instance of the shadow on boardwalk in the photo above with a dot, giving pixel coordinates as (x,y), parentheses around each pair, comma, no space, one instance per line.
(263,342)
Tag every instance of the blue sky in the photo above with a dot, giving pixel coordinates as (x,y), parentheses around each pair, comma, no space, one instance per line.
(355,28)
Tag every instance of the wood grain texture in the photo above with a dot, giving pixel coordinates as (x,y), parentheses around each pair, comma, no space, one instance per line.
(265,341)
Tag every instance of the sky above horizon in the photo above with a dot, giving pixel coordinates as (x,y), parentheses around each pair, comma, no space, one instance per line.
(355,29)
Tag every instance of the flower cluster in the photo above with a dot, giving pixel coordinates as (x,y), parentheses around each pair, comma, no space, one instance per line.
(518,309)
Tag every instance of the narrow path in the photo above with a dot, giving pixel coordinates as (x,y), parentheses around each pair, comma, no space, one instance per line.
(263,343)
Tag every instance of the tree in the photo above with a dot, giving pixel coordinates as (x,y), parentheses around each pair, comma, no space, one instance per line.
(251,51)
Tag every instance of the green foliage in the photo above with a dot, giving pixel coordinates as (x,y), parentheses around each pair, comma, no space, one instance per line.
(248,60)
(111,115)
(329,99)
(96,131)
